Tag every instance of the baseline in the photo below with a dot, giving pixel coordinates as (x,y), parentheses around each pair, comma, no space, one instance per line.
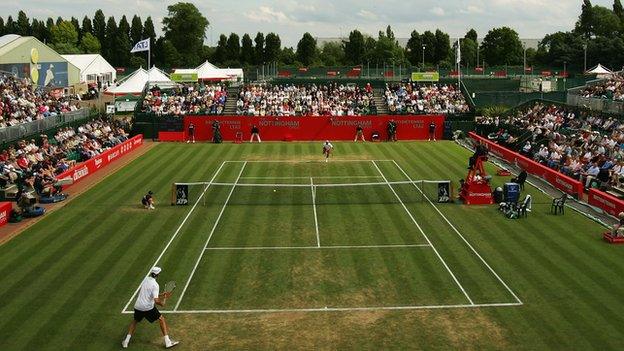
(328,247)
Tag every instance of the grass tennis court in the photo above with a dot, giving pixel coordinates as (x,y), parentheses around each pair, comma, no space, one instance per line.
(306,265)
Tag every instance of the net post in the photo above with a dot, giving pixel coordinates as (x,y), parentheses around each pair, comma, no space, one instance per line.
(173,193)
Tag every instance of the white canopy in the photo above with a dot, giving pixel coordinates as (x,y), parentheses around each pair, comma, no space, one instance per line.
(208,71)
(135,82)
(93,68)
(600,70)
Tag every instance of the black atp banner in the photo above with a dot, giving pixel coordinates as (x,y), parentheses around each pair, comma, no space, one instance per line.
(181,195)
(444,192)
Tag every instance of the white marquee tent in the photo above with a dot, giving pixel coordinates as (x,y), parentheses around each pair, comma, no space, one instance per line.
(93,68)
(600,71)
(135,82)
(208,71)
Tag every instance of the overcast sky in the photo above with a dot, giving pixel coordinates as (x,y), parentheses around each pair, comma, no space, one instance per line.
(333,18)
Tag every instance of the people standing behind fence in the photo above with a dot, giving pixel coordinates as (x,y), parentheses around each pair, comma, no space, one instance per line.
(359,133)
(255,133)
(392,130)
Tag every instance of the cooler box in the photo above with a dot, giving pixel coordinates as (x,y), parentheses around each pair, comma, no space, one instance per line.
(511,192)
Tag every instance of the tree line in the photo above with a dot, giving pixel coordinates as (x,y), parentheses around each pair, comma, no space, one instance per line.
(599,32)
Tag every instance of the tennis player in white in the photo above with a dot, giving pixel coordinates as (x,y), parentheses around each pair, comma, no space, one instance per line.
(145,307)
(327,149)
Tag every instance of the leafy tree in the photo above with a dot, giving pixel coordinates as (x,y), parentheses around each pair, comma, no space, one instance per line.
(90,44)
(2,28)
(10,26)
(23,24)
(306,49)
(220,55)
(502,46)
(442,46)
(332,54)
(618,10)
(65,38)
(605,22)
(122,46)
(369,48)
(259,49)
(87,26)
(99,28)
(413,48)
(247,50)
(430,42)
(149,32)
(171,56)
(472,35)
(233,48)
(107,45)
(59,19)
(469,52)
(137,61)
(136,30)
(273,47)
(124,26)
(389,33)
(584,25)
(355,49)
(288,56)
(76,24)
(185,29)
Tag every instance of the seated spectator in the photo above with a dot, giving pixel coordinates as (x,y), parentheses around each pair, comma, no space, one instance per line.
(186,99)
(412,98)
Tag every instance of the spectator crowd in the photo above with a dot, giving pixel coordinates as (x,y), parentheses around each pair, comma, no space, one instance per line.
(585,146)
(611,89)
(412,98)
(29,164)
(186,99)
(331,99)
(21,103)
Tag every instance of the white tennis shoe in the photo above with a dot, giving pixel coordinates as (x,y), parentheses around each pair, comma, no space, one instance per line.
(124,344)
(171,344)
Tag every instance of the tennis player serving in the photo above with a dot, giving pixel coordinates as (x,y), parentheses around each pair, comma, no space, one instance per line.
(144,307)
(328,148)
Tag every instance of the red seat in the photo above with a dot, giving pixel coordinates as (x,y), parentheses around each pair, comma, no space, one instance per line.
(608,237)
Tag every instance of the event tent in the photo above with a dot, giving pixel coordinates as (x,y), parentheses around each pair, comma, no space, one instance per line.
(135,82)
(600,71)
(93,68)
(208,71)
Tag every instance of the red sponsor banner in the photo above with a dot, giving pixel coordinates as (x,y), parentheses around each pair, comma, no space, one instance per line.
(558,180)
(332,73)
(284,74)
(5,212)
(546,73)
(479,69)
(315,128)
(84,169)
(608,203)
(389,74)
(303,69)
(564,74)
(120,69)
(528,69)
(500,74)
(454,73)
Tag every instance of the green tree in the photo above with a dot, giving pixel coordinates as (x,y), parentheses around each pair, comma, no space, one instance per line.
(430,43)
(90,44)
(171,56)
(10,26)
(472,35)
(87,26)
(247,50)
(469,52)
(23,24)
(561,47)
(233,49)
(413,49)
(584,25)
(618,9)
(259,49)
(149,32)
(502,46)
(332,54)
(369,49)
(390,33)
(76,24)
(273,47)
(65,38)
(136,30)
(185,28)
(288,56)
(442,46)
(122,46)
(605,22)
(354,49)
(220,55)
(2,28)
(108,50)
(306,49)
(99,29)
(124,26)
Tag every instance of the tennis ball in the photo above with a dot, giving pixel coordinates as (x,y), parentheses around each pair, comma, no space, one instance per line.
(274,190)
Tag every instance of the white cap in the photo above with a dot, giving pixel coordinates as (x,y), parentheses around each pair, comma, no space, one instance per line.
(155,270)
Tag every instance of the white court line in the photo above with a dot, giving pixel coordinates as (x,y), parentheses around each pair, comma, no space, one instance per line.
(318,238)
(176,232)
(425,235)
(299,161)
(330,247)
(209,237)
(317,177)
(461,236)
(342,309)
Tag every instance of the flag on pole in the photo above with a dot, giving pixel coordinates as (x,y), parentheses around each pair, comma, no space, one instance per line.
(143,45)
(458,52)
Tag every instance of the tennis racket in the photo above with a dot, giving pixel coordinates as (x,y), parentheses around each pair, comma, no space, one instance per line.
(169,287)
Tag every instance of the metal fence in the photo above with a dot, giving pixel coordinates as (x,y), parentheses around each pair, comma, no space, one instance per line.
(596,104)
(23,130)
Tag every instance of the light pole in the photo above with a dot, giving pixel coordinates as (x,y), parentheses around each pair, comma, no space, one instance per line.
(565,73)
(423,57)
(585,58)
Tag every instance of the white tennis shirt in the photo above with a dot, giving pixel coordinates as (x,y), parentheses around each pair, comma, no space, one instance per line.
(147,294)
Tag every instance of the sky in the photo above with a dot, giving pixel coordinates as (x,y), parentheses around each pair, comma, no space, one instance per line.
(532,19)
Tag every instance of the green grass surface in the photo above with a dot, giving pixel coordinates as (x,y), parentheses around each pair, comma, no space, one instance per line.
(65,281)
